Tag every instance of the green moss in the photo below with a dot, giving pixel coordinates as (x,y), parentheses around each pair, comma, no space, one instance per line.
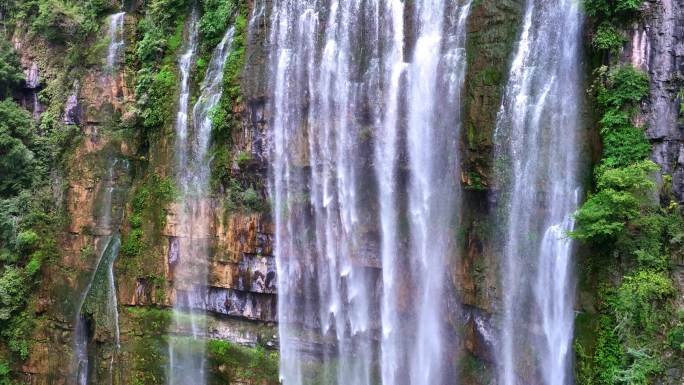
(161,32)
(156,94)
(490,76)
(226,119)
(491,36)
(231,363)
(148,211)
(150,320)
(473,370)
(475,182)
(149,347)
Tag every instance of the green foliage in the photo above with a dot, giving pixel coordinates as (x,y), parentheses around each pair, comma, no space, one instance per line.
(608,16)
(608,38)
(676,336)
(149,357)
(27,241)
(156,95)
(641,365)
(623,146)
(240,363)
(609,352)
(13,289)
(5,378)
(17,334)
(161,35)
(621,88)
(633,238)
(18,163)
(637,302)
(251,199)
(621,195)
(10,69)
(61,21)
(630,315)
(226,117)
(624,181)
(148,207)
(28,238)
(29,218)
(605,9)
(214,21)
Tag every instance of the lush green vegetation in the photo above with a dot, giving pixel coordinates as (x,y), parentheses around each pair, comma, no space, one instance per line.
(160,36)
(148,206)
(609,15)
(631,226)
(631,238)
(60,21)
(234,362)
(35,157)
(29,220)
(226,118)
(10,72)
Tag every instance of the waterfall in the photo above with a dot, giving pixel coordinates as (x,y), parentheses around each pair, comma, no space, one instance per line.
(115,34)
(189,267)
(101,279)
(538,138)
(349,111)
(434,103)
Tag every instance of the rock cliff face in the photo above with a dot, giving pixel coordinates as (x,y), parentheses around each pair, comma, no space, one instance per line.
(240,299)
(656,45)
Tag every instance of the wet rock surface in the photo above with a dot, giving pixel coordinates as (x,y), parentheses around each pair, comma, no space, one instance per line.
(657,46)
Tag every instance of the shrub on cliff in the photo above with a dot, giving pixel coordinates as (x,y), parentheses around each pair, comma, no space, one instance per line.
(10,69)
(632,238)
(18,163)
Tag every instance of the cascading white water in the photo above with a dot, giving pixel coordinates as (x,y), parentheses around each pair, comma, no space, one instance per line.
(434,102)
(101,279)
(539,134)
(115,34)
(344,109)
(187,361)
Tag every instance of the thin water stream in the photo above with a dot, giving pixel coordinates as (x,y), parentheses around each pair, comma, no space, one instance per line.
(91,310)
(187,353)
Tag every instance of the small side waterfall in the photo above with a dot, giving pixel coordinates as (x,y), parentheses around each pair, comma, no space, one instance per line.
(187,361)
(115,34)
(108,240)
(539,134)
(365,165)
(90,312)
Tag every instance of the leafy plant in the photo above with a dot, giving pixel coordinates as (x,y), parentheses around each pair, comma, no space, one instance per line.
(10,69)
(18,163)
(608,38)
